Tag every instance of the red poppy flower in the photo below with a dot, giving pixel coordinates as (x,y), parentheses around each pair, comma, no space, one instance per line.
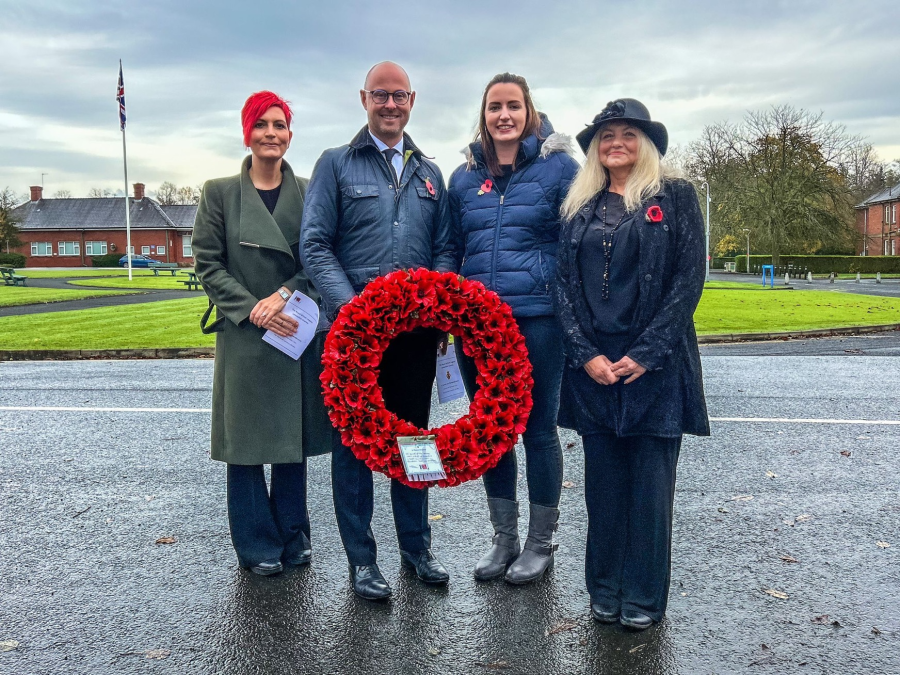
(487,186)
(429,186)
(654,214)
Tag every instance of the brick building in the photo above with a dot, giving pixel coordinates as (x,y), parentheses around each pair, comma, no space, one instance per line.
(69,232)
(878,222)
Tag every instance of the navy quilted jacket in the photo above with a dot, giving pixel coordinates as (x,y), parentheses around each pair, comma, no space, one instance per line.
(508,241)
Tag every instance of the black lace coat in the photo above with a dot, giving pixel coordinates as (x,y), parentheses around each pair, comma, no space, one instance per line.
(668,399)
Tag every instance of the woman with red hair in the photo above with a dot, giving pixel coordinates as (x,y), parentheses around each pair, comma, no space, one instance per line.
(266,407)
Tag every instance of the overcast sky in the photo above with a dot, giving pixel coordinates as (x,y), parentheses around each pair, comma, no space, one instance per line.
(189,66)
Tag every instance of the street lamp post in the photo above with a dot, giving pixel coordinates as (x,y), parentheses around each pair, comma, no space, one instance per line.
(747,232)
(706,185)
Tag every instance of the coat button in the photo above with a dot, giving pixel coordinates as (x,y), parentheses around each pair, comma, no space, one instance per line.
(648,277)
(390,187)
(666,228)
(396,224)
(359,192)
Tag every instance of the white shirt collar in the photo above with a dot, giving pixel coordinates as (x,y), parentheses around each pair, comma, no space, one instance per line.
(382,146)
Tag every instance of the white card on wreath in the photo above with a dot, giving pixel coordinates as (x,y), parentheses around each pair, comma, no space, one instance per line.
(421,459)
(449,381)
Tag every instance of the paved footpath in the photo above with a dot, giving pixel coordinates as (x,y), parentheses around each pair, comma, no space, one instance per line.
(888,288)
(138,297)
(777,563)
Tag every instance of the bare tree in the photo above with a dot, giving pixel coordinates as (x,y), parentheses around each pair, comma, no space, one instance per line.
(188,195)
(62,194)
(167,193)
(781,173)
(9,232)
(100,192)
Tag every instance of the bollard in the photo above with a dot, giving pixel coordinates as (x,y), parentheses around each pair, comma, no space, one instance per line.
(877,277)
(809,277)
(831,278)
(857,277)
(787,279)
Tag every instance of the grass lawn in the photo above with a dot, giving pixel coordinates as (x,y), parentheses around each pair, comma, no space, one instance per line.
(145,281)
(760,311)
(154,325)
(15,296)
(175,323)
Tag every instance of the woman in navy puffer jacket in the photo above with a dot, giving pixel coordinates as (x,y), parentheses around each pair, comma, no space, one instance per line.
(505,206)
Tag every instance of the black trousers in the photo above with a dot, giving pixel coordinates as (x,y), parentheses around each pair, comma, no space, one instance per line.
(629,487)
(406,380)
(267,524)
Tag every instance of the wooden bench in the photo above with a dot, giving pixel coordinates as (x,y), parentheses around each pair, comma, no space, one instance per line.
(192,283)
(10,278)
(163,267)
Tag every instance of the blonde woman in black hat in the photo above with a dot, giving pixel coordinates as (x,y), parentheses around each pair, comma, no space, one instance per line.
(629,276)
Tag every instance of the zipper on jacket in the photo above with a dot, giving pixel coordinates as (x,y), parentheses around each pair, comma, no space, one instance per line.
(497,232)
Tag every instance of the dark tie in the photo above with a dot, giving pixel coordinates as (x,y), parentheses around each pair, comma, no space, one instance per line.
(389,155)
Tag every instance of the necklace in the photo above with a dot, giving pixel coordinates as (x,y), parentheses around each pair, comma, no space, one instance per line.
(607,245)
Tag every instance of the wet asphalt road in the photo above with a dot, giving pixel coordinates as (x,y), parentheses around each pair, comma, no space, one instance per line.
(85,494)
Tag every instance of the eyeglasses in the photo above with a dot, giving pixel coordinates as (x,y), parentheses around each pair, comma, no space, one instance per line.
(380,96)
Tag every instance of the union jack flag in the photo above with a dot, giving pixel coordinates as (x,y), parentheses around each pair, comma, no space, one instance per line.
(120,97)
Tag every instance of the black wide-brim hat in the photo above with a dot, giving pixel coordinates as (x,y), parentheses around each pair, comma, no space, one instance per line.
(631,111)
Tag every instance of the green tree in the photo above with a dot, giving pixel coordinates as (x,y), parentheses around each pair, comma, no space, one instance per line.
(782,174)
(9,232)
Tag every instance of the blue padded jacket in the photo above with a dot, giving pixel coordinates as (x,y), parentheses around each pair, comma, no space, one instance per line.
(508,241)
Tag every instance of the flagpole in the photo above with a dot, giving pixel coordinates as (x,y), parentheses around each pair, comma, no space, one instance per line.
(127,208)
(125,164)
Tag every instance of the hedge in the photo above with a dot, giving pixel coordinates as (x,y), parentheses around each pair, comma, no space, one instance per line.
(824,264)
(12,260)
(109,260)
(719,263)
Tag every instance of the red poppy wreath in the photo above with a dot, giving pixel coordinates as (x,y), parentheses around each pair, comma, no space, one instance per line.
(397,303)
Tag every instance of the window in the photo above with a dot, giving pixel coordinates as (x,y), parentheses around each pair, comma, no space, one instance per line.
(131,250)
(886,217)
(894,214)
(41,248)
(145,250)
(886,247)
(893,247)
(186,246)
(69,248)
(95,248)
(160,250)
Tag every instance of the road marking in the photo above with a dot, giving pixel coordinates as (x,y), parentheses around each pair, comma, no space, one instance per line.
(770,420)
(47,408)
(801,420)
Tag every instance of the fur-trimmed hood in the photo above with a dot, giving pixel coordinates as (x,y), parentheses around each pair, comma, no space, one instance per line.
(546,143)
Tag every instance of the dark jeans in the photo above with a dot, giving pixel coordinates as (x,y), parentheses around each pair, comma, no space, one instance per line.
(629,488)
(267,524)
(543,454)
(406,379)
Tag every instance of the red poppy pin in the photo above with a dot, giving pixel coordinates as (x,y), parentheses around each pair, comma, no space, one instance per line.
(654,214)
(486,186)
(429,186)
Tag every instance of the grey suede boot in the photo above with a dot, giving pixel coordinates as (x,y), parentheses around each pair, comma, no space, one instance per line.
(537,555)
(505,544)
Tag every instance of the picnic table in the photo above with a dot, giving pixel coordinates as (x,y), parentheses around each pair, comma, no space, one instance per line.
(192,283)
(10,278)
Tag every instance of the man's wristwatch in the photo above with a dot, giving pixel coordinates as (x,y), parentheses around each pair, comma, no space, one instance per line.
(284,294)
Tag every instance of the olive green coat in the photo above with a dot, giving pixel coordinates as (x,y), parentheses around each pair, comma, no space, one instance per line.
(266,407)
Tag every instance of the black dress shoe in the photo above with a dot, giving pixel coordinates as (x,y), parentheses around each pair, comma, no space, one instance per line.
(301,558)
(267,568)
(368,582)
(604,613)
(635,620)
(428,568)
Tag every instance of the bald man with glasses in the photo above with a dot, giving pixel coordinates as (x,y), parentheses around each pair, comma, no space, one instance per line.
(372,207)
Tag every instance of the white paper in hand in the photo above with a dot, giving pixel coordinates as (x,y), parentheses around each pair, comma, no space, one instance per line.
(304,310)
(449,381)
(421,459)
